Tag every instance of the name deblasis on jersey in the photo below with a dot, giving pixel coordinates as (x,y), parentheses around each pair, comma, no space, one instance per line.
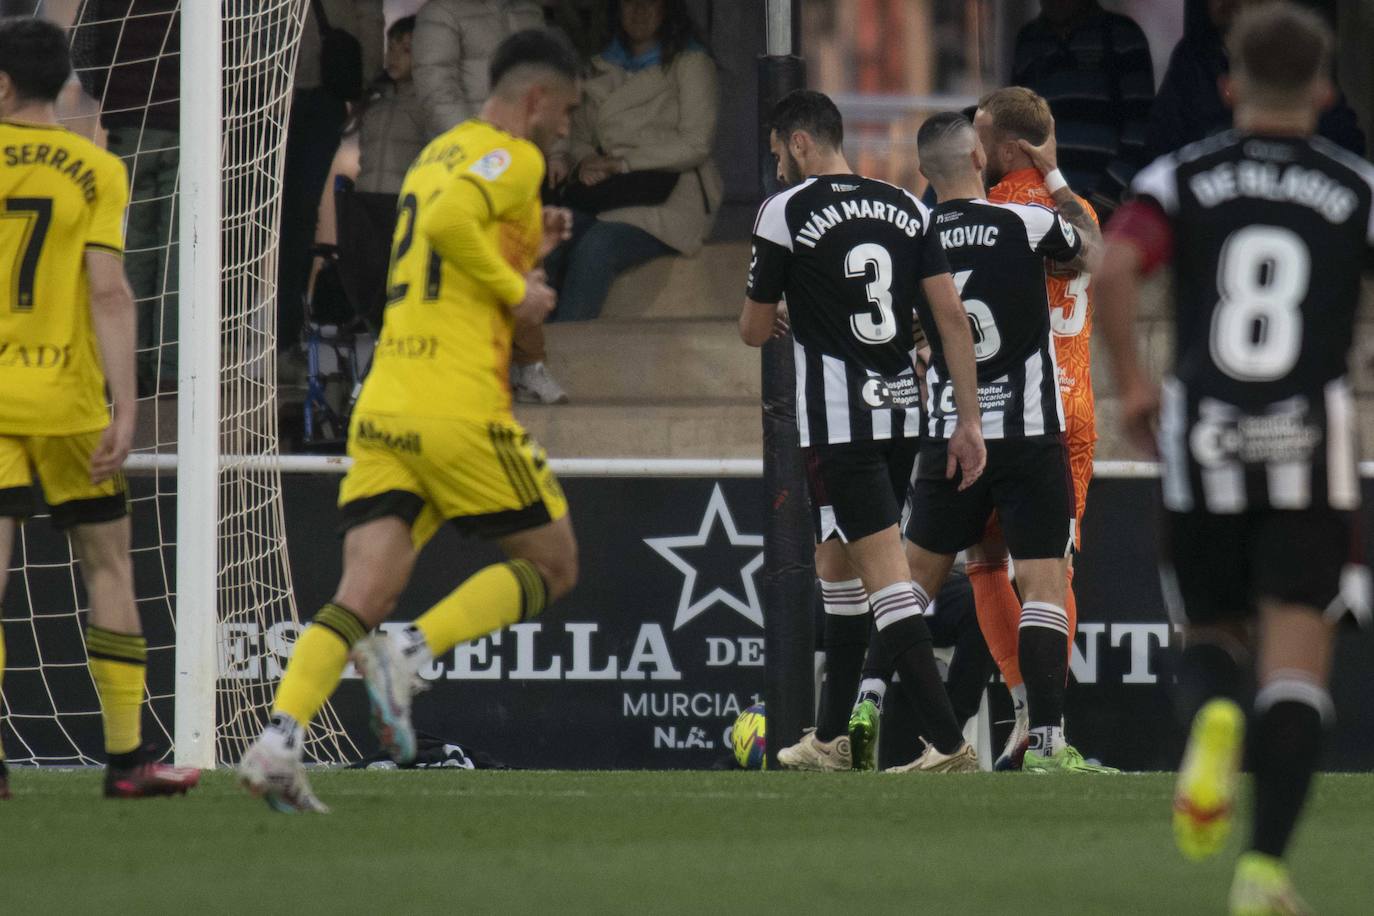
(848,254)
(997,254)
(1270,238)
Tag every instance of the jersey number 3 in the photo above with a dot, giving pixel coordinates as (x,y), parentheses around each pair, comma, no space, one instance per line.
(36,212)
(868,329)
(1257,326)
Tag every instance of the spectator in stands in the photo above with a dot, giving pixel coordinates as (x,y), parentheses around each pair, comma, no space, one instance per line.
(329,76)
(583,21)
(128,54)
(454,41)
(1094,68)
(640,156)
(391,123)
(1189,106)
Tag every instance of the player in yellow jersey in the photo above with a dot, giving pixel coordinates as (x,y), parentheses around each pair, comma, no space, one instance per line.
(66,331)
(432,437)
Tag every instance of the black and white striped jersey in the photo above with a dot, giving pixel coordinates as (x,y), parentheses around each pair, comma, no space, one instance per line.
(1269,238)
(997,253)
(848,254)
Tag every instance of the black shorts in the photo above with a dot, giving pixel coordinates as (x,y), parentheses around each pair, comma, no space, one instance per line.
(1217,567)
(859,488)
(1026,481)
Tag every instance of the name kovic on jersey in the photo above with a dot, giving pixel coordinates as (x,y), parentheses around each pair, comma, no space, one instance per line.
(823,220)
(1268,181)
(963,236)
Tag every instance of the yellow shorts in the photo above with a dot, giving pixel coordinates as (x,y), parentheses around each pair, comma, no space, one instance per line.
(490,479)
(62,464)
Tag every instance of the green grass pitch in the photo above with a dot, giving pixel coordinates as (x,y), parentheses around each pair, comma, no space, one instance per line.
(647,843)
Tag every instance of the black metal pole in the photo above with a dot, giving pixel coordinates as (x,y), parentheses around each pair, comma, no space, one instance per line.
(788,565)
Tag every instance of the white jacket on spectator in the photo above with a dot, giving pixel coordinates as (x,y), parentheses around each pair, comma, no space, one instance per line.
(453,46)
(657,119)
(363,19)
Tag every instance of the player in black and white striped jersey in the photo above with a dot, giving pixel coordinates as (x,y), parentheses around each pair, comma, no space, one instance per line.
(851,256)
(998,254)
(1268,229)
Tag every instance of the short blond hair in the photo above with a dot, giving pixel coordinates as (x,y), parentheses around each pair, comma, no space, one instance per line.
(1020,112)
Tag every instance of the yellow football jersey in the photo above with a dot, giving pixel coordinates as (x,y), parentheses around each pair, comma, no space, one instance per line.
(469,226)
(60,195)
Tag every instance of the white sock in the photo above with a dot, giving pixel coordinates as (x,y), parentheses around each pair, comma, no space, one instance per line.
(415,648)
(284,735)
(1018,702)
(1046,740)
(875,687)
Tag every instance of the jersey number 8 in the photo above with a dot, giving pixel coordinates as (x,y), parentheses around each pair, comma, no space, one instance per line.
(1257,326)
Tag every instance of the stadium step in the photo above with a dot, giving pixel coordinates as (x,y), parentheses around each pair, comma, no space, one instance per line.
(652,361)
(708,285)
(665,429)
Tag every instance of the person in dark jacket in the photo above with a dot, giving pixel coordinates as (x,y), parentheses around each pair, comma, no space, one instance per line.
(1189,105)
(1094,69)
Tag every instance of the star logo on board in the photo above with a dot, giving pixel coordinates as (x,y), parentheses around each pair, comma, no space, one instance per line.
(725,559)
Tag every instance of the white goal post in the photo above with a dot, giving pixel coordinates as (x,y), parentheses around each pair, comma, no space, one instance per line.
(198,404)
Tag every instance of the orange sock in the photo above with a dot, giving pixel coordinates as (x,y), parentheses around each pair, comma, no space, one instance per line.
(1071,608)
(999,616)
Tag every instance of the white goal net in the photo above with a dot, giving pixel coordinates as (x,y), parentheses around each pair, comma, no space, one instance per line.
(130,98)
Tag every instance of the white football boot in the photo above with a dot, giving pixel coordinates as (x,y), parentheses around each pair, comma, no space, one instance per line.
(964,760)
(810,753)
(391,682)
(272,770)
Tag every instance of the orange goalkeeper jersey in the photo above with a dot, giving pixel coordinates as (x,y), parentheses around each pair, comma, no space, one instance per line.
(1071,318)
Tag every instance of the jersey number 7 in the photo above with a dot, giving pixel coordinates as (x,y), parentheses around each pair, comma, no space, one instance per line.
(37,215)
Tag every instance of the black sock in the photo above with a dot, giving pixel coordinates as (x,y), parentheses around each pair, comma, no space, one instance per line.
(969,670)
(846,642)
(906,643)
(1044,667)
(1285,745)
(125,761)
(1206,671)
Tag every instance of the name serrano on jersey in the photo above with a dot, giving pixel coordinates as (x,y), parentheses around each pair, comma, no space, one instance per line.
(825,219)
(1228,181)
(82,175)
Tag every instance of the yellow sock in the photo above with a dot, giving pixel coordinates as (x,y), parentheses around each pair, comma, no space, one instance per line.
(317,663)
(118,662)
(492,598)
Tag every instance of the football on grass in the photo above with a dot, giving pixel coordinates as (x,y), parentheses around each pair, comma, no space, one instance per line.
(748,738)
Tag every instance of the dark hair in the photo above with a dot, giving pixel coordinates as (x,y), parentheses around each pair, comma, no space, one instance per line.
(677,33)
(1280,47)
(811,111)
(534,48)
(938,126)
(403,26)
(34,54)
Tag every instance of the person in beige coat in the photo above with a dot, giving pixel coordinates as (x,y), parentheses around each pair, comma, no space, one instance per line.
(453,45)
(649,106)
